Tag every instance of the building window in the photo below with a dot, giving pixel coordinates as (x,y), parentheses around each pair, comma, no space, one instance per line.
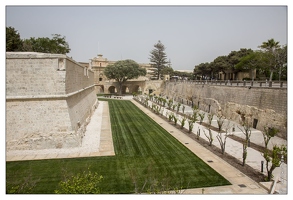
(100,79)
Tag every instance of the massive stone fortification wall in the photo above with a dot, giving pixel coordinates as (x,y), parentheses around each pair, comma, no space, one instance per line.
(261,106)
(49,101)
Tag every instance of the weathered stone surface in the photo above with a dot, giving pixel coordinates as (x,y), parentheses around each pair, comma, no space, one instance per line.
(267,106)
(49,101)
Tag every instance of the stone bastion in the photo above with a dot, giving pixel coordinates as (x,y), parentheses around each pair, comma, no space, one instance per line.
(49,101)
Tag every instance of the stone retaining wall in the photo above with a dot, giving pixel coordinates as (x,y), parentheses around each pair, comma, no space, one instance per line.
(49,101)
(262,106)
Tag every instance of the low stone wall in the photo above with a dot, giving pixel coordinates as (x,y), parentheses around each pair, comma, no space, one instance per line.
(49,101)
(261,106)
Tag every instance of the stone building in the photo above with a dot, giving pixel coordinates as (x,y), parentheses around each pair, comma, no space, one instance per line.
(240,75)
(99,63)
(49,101)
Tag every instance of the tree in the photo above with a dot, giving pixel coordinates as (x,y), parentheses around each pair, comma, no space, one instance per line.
(201,117)
(268,133)
(282,62)
(183,120)
(56,45)
(223,138)
(167,71)
(124,70)
(247,132)
(224,64)
(209,135)
(235,56)
(276,155)
(13,41)
(158,58)
(252,61)
(221,64)
(271,47)
(204,70)
(190,125)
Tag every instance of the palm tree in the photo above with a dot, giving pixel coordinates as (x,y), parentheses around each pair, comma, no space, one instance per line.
(271,48)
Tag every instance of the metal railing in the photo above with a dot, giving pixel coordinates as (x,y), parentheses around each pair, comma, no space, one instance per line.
(249,83)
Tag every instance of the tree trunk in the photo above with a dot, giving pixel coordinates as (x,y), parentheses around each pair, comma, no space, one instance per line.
(270,173)
(271,75)
(159,73)
(244,155)
(120,88)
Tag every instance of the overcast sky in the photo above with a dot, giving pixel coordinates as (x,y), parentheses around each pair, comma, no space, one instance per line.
(191,34)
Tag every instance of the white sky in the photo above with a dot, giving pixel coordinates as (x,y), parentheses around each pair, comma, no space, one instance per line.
(191,34)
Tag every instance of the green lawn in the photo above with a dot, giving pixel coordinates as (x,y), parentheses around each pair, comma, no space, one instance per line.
(146,157)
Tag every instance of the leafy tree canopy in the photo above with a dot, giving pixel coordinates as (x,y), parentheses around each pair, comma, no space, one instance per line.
(253,60)
(270,58)
(123,70)
(272,50)
(167,71)
(13,41)
(56,45)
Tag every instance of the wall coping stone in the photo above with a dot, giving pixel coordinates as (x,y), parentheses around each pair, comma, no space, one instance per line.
(62,96)
(38,55)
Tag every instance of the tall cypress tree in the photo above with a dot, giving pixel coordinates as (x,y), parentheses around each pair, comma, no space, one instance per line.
(158,58)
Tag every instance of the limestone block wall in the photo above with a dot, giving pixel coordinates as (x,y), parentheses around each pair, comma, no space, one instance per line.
(264,106)
(49,101)
(155,85)
(34,75)
(77,78)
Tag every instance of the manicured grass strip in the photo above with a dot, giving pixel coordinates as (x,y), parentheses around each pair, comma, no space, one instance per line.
(145,154)
(145,138)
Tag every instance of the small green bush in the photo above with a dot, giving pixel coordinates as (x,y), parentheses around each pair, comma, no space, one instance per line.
(85,183)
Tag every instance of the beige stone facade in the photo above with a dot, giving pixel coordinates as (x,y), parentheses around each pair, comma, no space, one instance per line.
(49,101)
(98,65)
